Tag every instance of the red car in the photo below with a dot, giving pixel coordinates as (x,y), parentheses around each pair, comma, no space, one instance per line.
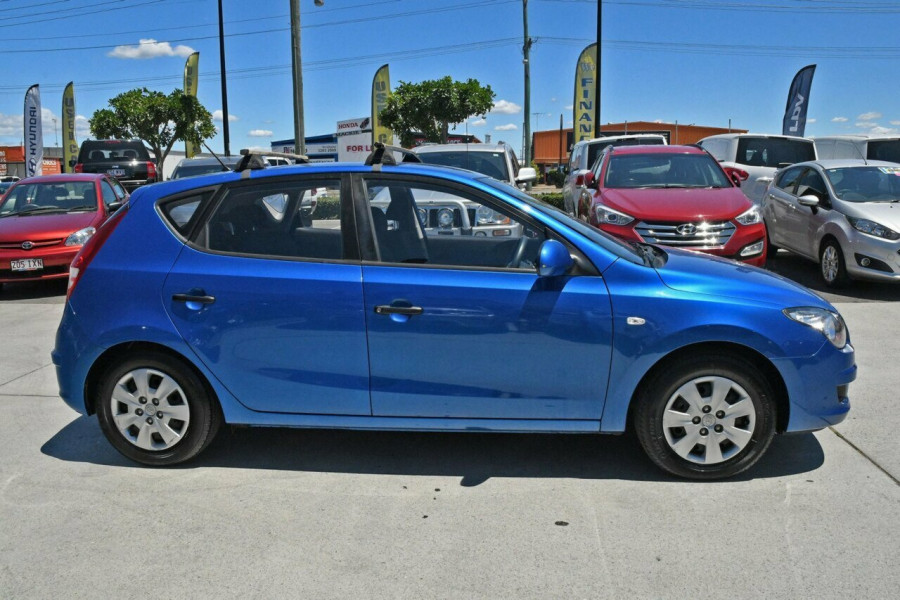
(45,220)
(674,196)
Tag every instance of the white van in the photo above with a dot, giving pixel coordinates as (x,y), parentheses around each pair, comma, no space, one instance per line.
(868,147)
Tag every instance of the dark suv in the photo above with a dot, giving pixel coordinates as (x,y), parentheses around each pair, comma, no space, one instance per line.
(126,160)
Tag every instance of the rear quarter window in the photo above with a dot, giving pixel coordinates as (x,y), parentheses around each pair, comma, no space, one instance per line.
(183,212)
(94,150)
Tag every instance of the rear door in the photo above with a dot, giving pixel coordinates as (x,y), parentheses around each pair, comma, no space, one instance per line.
(781,208)
(269,296)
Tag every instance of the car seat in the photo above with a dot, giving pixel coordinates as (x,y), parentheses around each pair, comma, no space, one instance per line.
(97,155)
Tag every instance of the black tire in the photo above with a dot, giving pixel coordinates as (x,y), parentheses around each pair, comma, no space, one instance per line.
(771,249)
(142,441)
(831,265)
(662,390)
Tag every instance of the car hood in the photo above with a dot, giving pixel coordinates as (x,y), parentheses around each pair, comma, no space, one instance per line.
(677,204)
(19,228)
(711,275)
(885,213)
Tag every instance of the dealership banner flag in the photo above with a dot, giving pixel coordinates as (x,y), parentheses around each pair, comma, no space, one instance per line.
(585,94)
(190,89)
(70,144)
(34,133)
(794,122)
(381,89)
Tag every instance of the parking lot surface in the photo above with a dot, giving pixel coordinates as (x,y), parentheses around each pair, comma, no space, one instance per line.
(291,513)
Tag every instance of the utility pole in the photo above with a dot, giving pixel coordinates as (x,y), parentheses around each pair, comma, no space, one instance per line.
(526,49)
(297,70)
(597,78)
(224,85)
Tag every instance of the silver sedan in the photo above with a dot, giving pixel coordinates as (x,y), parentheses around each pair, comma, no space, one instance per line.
(843,214)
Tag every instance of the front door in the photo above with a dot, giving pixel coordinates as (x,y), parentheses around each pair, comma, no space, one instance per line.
(459,323)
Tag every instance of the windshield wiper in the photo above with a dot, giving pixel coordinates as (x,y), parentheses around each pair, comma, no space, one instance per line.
(39,210)
(84,207)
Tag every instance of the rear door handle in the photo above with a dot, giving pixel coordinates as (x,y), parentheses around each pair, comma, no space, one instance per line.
(409,311)
(192,298)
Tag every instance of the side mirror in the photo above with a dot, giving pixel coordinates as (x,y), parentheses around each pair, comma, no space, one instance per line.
(589,180)
(554,259)
(113,207)
(526,174)
(809,200)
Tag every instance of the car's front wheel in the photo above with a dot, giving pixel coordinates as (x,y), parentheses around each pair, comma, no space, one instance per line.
(831,265)
(155,410)
(705,417)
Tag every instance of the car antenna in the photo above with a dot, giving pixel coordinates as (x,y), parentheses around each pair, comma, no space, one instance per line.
(215,156)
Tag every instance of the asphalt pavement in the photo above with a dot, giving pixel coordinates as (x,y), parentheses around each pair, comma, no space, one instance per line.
(279,513)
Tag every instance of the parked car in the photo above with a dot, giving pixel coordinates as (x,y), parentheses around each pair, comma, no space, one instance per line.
(842,214)
(675,196)
(236,314)
(494,160)
(754,158)
(584,156)
(128,161)
(192,167)
(870,147)
(45,220)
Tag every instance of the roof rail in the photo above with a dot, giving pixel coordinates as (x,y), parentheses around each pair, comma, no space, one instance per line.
(382,155)
(255,159)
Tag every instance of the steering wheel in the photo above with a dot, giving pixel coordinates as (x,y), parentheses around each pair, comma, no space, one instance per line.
(520,253)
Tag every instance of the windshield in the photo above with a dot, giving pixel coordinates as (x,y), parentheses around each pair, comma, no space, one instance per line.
(886,150)
(595,148)
(492,164)
(55,197)
(773,152)
(664,171)
(610,243)
(865,184)
(194,170)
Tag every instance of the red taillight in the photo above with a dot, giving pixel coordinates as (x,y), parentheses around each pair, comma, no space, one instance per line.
(79,168)
(151,170)
(742,174)
(90,248)
(579,180)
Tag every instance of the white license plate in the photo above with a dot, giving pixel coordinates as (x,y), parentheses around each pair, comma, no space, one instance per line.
(27,264)
(116,172)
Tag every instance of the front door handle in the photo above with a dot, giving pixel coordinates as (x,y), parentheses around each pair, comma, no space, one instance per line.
(194,301)
(389,309)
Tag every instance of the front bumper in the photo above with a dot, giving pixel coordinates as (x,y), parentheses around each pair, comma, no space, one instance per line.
(56,261)
(869,257)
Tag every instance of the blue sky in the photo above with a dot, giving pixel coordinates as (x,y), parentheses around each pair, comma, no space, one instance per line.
(691,61)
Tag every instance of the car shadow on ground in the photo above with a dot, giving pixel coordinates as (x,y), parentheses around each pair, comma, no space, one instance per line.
(806,273)
(473,457)
(33,290)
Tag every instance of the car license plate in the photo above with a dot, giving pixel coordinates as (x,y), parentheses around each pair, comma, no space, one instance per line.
(116,172)
(27,264)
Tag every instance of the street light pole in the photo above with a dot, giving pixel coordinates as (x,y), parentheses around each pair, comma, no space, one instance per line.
(224,85)
(526,48)
(297,72)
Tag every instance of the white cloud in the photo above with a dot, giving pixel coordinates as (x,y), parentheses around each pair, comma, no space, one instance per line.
(82,127)
(895,122)
(478,123)
(866,124)
(510,127)
(505,107)
(150,48)
(840,120)
(260,133)
(869,116)
(810,120)
(879,130)
(570,107)
(217,116)
(11,125)
(552,99)
(658,121)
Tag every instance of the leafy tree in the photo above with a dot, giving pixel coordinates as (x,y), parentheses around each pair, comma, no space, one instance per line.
(431,106)
(156,119)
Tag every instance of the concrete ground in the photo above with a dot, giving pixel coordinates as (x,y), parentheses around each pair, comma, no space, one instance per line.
(274,513)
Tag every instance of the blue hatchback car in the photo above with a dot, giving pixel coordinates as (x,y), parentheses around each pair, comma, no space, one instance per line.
(416,297)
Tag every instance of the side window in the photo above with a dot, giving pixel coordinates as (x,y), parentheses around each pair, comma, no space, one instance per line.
(812,184)
(182,211)
(288,220)
(119,190)
(513,161)
(437,225)
(573,159)
(109,195)
(787,181)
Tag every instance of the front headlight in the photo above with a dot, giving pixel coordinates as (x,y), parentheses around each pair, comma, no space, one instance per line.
(828,323)
(873,228)
(80,237)
(749,216)
(609,216)
(487,216)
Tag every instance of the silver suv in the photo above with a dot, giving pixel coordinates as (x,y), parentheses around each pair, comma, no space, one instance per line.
(494,160)
(584,155)
(755,157)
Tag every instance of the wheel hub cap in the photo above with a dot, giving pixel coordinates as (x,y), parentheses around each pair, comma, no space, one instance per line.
(157,429)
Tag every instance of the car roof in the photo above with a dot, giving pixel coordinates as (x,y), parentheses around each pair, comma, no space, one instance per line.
(629,136)
(474,147)
(843,163)
(63,178)
(657,149)
(209,160)
(731,136)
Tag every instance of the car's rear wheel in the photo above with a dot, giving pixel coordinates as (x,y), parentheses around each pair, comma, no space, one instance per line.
(155,410)
(705,417)
(831,265)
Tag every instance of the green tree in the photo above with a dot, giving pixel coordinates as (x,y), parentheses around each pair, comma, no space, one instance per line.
(156,119)
(430,107)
